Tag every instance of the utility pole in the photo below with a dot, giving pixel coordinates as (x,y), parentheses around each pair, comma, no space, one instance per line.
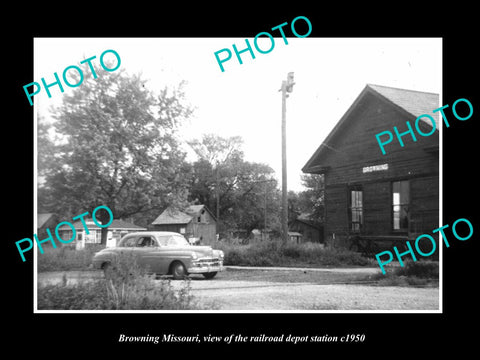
(265,214)
(217,194)
(287,87)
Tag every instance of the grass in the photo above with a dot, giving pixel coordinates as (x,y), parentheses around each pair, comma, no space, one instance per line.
(128,287)
(275,253)
(413,273)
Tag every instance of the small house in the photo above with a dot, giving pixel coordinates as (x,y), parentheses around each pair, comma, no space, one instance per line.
(311,230)
(374,200)
(196,222)
(116,230)
(257,235)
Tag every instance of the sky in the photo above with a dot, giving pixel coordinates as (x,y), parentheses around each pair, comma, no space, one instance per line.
(244,100)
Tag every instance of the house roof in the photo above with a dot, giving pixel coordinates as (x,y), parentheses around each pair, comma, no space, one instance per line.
(305,219)
(411,102)
(116,224)
(173,216)
(43,218)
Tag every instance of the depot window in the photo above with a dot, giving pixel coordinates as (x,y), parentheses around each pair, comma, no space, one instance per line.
(400,204)
(356,209)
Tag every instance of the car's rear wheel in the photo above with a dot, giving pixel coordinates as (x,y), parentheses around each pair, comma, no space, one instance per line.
(178,270)
(209,275)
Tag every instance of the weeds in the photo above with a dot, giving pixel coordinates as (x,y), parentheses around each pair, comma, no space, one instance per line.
(275,253)
(420,273)
(128,287)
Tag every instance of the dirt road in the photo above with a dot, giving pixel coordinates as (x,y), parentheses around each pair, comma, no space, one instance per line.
(271,290)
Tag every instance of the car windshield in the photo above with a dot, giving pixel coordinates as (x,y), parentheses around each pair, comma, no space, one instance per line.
(173,240)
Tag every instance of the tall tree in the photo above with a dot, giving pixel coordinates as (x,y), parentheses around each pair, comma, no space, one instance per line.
(118,148)
(218,152)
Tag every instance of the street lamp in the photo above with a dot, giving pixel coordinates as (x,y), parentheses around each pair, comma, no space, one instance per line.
(287,86)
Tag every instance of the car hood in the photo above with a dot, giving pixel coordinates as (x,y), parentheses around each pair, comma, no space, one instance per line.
(202,251)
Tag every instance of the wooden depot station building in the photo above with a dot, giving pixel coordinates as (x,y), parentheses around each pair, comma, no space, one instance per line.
(374,201)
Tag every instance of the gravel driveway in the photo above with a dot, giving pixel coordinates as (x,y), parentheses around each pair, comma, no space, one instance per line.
(258,295)
(266,290)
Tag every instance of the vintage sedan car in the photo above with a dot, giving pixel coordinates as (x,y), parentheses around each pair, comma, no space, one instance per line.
(164,253)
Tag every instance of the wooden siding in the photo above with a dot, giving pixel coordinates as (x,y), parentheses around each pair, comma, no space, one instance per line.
(354,147)
(206,230)
(377,208)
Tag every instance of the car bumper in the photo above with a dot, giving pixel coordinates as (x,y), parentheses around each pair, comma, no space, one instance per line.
(201,267)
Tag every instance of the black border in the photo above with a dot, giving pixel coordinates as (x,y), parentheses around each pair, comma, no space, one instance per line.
(90,334)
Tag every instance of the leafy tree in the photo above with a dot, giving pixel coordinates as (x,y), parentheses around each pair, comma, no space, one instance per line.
(217,150)
(237,190)
(214,152)
(312,200)
(117,148)
(250,198)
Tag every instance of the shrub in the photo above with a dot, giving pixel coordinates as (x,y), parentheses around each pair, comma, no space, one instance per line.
(293,252)
(421,269)
(420,273)
(83,296)
(66,258)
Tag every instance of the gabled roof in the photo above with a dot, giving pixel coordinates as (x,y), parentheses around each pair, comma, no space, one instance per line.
(305,219)
(43,218)
(411,102)
(173,216)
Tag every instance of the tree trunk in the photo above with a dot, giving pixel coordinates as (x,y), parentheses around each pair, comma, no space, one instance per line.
(104,233)
(104,218)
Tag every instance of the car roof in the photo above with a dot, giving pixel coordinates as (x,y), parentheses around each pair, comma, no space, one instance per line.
(154,233)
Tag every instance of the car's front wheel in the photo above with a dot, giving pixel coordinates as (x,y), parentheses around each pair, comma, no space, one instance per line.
(210,275)
(178,270)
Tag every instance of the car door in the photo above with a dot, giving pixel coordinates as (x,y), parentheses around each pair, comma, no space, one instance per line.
(146,253)
(163,255)
(126,245)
